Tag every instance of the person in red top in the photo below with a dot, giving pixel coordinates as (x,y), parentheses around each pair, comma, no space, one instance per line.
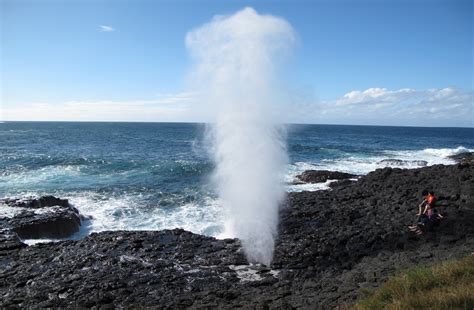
(428,214)
(429,205)
(427,199)
(430,210)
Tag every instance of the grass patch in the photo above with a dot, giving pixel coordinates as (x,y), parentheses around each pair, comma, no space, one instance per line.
(448,285)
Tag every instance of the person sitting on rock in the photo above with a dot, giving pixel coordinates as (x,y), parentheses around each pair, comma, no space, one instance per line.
(424,203)
(430,203)
(431,212)
(422,218)
(429,217)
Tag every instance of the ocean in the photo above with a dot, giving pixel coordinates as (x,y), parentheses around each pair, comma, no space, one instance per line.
(152,176)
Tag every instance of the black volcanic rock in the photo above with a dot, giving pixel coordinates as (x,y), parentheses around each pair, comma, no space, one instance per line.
(373,213)
(341,183)
(401,163)
(32,202)
(464,158)
(9,241)
(171,268)
(320,176)
(331,244)
(44,217)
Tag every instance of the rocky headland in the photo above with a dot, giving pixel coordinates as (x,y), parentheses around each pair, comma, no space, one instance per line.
(331,245)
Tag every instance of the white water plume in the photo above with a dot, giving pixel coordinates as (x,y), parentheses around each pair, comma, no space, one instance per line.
(236,67)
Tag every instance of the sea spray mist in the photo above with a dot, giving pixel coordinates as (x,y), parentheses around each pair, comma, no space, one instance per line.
(236,60)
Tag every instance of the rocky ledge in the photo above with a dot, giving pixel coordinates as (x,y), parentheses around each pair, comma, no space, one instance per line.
(464,158)
(320,176)
(34,218)
(402,163)
(331,245)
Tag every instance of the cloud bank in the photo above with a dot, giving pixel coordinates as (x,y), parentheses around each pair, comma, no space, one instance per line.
(435,107)
(448,106)
(166,108)
(375,96)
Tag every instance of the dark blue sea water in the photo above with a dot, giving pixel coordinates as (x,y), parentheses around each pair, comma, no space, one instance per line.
(155,175)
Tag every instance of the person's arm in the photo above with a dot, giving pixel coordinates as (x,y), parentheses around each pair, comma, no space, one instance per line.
(420,206)
(426,208)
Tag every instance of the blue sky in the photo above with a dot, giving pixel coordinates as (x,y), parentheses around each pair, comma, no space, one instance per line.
(356,62)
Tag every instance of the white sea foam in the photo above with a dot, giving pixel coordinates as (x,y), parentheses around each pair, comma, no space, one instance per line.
(447,152)
(6,211)
(251,273)
(310,187)
(430,155)
(36,241)
(9,212)
(36,177)
(127,212)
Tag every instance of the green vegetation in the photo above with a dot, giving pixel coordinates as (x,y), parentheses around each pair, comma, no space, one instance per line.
(449,285)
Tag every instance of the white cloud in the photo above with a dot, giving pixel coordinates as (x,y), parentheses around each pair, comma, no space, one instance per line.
(375,96)
(432,107)
(104,28)
(445,102)
(165,108)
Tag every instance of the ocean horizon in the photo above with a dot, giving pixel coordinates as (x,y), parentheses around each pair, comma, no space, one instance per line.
(204,123)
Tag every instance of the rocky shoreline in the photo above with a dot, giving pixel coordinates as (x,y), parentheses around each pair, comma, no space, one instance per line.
(331,245)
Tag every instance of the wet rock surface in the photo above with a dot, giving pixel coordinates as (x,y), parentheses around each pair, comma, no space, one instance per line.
(466,158)
(44,217)
(331,245)
(341,183)
(401,163)
(320,176)
(32,202)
